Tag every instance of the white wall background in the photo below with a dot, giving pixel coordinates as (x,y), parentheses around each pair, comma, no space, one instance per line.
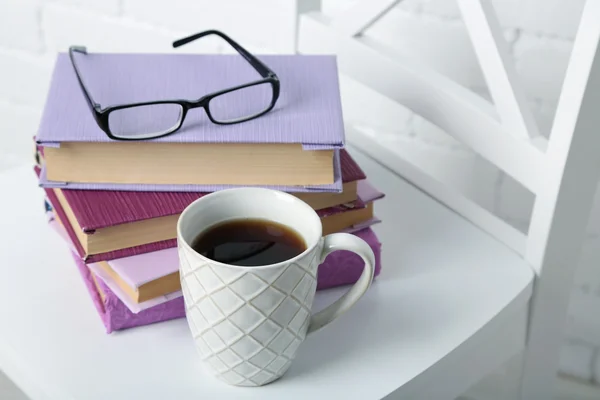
(540,34)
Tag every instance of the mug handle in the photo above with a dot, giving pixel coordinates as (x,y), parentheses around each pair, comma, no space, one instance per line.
(345,241)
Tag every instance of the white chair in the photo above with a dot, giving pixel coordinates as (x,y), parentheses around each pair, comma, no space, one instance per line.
(562,172)
(452,304)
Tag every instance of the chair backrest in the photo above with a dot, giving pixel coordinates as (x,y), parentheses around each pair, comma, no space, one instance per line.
(562,172)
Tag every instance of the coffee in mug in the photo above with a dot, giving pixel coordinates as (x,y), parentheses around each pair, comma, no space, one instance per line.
(249,242)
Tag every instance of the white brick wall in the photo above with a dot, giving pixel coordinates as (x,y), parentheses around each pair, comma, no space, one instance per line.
(263,23)
(19,25)
(540,33)
(108,7)
(65,25)
(24,78)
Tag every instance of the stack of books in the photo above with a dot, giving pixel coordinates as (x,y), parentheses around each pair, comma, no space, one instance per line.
(116,203)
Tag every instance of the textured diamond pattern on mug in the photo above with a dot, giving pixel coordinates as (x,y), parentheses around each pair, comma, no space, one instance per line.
(248,324)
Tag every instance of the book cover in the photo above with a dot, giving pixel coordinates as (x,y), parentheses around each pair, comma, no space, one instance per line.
(307,112)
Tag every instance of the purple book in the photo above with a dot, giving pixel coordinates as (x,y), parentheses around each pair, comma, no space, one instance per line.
(339,268)
(308,110)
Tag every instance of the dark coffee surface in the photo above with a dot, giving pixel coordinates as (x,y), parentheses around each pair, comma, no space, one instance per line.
(249,242)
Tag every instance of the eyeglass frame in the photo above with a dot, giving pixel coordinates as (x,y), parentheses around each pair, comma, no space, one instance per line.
(101,114)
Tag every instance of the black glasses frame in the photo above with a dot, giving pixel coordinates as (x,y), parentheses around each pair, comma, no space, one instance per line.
(101,115)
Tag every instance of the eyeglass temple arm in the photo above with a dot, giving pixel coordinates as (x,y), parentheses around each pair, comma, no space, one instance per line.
(261,68)
(80,49)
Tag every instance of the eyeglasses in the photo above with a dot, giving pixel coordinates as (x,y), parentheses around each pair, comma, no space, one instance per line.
(154,119)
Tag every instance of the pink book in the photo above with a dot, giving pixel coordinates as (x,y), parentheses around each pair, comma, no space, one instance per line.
(143,268)
(339,268)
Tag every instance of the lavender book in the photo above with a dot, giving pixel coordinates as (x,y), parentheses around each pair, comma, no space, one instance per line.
(294,145)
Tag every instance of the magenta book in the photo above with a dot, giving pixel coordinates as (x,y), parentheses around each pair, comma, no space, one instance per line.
(165,244)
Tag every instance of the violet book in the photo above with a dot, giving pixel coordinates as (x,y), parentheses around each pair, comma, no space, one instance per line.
(308,110)
(293,147)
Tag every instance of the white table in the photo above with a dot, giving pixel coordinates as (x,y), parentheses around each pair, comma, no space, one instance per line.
(442,280)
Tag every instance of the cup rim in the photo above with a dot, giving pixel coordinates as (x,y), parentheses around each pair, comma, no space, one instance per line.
(300,203)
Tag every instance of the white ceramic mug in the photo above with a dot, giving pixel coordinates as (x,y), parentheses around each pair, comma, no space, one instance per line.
(247,322)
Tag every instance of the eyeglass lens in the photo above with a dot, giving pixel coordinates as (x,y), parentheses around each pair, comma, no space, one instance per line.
(242,103)
(145,121)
